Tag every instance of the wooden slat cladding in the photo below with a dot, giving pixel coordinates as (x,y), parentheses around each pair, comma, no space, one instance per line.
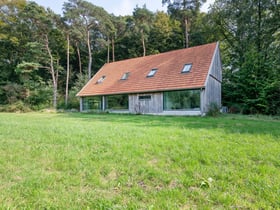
(142,106)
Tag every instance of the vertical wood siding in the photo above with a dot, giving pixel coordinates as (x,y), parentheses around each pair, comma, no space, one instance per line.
(153,105)
(212,92)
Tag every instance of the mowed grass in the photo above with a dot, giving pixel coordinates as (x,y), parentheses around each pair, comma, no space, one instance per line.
(80,161)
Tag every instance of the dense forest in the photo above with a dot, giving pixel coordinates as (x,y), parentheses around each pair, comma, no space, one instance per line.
(45,58)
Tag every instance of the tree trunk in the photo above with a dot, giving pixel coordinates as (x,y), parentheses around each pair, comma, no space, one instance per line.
(186,32)
(68,70)
(54,95)
(108,50)
(113,49)
(259,27)
(89,55)
(143,44)
(52,70)
(79,57)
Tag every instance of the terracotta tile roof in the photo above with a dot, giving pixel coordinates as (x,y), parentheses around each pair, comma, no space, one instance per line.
(168,76)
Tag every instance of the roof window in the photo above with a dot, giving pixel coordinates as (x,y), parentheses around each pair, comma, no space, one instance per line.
(125,76)
(152,73)
(101,79)
(187,68)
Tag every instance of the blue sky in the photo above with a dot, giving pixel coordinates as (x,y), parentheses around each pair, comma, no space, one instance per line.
(117,7)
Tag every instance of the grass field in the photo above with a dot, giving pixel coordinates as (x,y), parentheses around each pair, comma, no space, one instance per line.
(80,161)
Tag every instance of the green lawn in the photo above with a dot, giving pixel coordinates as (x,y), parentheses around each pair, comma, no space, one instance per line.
(80,161)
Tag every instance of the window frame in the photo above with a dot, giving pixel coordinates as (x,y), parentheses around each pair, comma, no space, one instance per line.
(101,79)
(191,94)
(125,76)
(145,97)
(187,68)
(92,103)
(123,98)
(152,72)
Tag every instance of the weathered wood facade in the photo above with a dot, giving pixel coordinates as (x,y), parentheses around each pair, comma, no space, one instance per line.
(212,94)
(146,103)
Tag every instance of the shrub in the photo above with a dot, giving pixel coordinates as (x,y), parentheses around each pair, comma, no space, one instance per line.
(235,109)
(272,94)
(213,110)
(18,106)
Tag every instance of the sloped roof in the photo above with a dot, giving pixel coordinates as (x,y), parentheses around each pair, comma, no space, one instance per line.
(169,66)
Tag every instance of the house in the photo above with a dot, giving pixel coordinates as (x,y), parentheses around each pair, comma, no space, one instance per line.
(179,82)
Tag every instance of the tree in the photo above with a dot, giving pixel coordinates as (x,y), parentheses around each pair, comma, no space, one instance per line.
(246,27)
(85,18)
(184,10)
(12,38)
(123,34)
(67,33)
(48,38)
(143,19)
(105,33)
(166,33)
(36,91)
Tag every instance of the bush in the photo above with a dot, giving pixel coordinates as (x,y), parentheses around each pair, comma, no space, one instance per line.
(235,109)
(12,92)
(40,98)
(272,95)
(19,106)
(213,110)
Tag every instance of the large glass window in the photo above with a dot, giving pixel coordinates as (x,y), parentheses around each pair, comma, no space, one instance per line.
(181,100)
(117,102)
(92,103)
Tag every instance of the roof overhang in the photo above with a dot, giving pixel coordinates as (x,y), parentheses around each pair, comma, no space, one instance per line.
(142,92)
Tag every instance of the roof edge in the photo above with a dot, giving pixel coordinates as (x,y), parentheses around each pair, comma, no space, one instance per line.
(88,82)
(212,63)
(144,92)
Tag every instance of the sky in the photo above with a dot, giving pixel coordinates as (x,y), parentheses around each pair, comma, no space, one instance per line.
(117,7)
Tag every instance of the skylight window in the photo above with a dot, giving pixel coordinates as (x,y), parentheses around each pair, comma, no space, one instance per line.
(125,76)
(101,79)
(152,73)
(187,68)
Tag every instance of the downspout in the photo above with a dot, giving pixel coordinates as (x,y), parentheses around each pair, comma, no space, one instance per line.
(202,100)
(103,103)
(81,104)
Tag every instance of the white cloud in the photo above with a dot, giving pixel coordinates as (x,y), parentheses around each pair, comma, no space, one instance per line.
(205,6)
(124,7)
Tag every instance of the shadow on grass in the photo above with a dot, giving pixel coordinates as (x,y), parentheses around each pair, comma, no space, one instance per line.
(230,123)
